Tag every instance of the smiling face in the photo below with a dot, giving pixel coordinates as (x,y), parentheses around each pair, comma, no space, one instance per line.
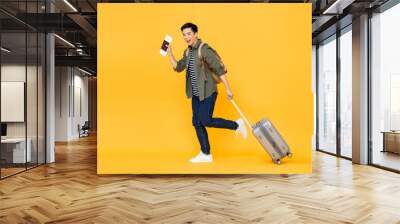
(189,36)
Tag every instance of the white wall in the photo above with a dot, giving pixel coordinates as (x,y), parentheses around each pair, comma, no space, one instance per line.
(16,73)
(33,127)
(81,82)
(13,72)
(71,87)
(62,81)
(12,101)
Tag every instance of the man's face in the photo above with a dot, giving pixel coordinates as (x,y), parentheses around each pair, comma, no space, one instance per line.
(189,36)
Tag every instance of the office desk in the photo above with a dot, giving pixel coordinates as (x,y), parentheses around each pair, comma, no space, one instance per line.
(15,148)
(391,142)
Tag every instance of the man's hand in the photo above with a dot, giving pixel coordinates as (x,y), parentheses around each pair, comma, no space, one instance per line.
(169,50)
(229,94)
(227,87)
(171,57)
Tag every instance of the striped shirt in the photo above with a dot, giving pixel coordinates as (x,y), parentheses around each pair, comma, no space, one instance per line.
(192,74)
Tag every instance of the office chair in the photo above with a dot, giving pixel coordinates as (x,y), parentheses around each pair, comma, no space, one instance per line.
(84,130)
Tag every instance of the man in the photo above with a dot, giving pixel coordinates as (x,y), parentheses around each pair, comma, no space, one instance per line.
(201,87)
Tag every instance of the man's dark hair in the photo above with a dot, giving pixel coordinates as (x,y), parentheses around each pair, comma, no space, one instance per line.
(192,26)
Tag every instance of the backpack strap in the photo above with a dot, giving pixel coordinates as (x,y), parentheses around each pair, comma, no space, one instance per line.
(187,52)
(202,61)
(201,45)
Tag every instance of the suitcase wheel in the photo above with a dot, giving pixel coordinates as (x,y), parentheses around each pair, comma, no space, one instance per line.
(289,154)
(278,161)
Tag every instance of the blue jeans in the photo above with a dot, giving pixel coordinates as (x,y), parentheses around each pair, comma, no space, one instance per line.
(203,117)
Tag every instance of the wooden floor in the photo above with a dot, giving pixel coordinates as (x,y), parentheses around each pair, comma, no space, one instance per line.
(70,191)
(386,159)
(5,172)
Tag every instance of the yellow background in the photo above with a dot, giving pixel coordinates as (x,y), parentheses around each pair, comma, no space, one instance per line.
(144,117)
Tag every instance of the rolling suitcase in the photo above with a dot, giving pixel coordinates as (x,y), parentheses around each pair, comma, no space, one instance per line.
(268,137)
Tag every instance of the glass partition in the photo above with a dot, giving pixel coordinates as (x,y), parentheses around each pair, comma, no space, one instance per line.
(14,150)
(327,95)
(22,77)
(385,89)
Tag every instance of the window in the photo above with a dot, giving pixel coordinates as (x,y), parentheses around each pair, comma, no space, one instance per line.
(385,88)
(346,93)
(327,95)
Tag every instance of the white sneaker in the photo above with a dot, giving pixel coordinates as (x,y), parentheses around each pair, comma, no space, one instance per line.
(241,128)
(202,158)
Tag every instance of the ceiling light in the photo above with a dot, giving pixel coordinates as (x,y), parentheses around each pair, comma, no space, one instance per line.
(70,5)
(64,40)
(84,71)
(338,6)
(5,50)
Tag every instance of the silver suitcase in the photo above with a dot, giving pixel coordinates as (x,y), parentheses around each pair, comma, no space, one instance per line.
(268,136)
(271,140)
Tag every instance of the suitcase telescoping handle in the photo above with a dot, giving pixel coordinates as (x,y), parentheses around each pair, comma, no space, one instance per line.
(241,114)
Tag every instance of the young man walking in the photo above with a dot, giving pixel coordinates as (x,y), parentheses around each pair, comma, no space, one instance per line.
(201,87)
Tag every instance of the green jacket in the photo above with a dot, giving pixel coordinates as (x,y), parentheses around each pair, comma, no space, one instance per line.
(206,87)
